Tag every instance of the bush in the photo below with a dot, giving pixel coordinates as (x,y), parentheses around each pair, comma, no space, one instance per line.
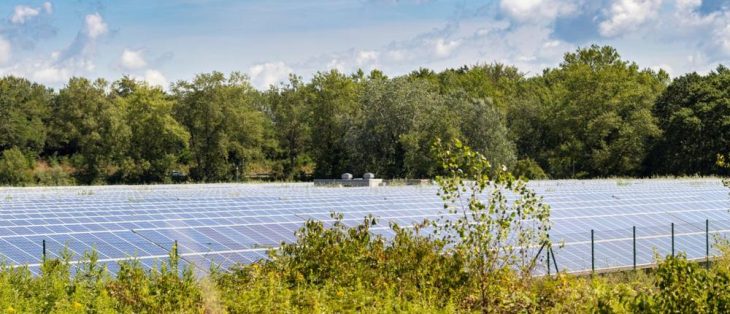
(528,169)
(53,174)
(15,168)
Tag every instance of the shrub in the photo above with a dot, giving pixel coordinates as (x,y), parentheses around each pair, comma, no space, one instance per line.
(528,169)
(15,168)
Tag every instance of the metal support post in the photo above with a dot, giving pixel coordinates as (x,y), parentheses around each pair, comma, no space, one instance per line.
(634,229)
(707,243)
(672,239)
(593,253)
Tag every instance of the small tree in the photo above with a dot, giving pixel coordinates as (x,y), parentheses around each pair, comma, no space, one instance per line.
(495,221)
(15,168)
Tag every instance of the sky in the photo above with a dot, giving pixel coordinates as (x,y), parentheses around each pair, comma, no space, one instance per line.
(165,41)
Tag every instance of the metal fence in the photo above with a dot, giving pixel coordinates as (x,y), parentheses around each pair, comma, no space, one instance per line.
(632,248)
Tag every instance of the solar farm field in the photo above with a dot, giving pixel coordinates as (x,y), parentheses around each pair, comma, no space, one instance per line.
(224,224)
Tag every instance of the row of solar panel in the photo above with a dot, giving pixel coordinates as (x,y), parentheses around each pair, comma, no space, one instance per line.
(206,218)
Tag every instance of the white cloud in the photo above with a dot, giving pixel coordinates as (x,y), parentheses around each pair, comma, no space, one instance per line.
(538,11)
(5,51)
(396,55)
(627,15)
(155,78)
(132,59)
(443,48)
(366,57)
(76,59)
(267,74)
(50,74)
(23,13)
(48,7)
(95,26)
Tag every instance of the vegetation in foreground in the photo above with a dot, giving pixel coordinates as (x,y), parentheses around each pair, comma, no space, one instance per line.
(343,270)
(472,260)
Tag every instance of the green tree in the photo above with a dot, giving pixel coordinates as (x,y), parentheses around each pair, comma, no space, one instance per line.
(494,83)
(290,115)
(23,111)
(334,105)
(227,129)
(156,140)
(483,129)
(494,232)
(597,113)
(396,128)
(86,125)
(15,168)
(694,115)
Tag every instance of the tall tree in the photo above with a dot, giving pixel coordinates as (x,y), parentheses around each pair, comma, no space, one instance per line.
(227,129)
(694,114)
(495,83)
(389,112)
(483,128)
(290,115)
(86,125)
(156,140)
(334,108)
(24,107)
(598,114)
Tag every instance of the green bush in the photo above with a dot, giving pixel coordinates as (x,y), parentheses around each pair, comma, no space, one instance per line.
(53,175)
(15,168)
(344,270)
(528,169)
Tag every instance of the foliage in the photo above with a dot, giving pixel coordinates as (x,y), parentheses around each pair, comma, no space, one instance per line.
(389,139)
(483,128)
(494,235)
(290,115)
(693,114)
(333,103)
(86,125)
(593,115)
(341,269)
(52,174)
(226,127)
(156,138)
(528,169)
(15,168)
(23,112)
(596,114)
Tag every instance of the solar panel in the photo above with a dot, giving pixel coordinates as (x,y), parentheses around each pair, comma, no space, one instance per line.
(224,224)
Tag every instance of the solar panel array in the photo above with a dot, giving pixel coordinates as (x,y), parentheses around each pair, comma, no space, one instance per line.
(224,224)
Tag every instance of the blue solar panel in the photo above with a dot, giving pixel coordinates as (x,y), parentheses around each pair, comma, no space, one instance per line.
(224,224)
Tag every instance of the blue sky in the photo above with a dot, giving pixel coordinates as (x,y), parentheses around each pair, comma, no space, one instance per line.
(167,40)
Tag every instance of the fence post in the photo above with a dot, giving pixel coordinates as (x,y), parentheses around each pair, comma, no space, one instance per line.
(593,255)
(548,260)
(707,243)
(44,250)
(672,239)
(634,229)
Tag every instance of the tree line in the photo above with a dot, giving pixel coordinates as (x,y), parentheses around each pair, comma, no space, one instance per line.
(593,115)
